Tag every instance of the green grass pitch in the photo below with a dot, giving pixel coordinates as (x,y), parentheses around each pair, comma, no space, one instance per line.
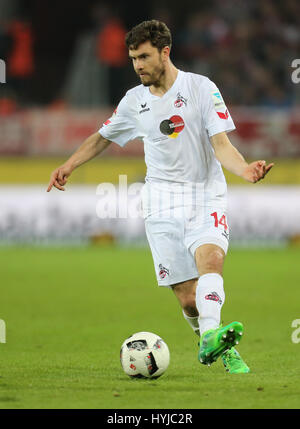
(68,310)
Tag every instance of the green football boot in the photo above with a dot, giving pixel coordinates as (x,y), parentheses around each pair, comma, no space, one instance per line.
(233,362)
(215,342)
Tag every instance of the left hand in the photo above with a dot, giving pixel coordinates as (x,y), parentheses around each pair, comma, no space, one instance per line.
(256,171)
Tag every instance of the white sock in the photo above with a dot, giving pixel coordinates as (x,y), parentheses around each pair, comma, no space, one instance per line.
(210,297)
(193,322)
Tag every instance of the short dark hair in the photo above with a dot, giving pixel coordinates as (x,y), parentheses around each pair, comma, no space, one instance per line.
(153,31)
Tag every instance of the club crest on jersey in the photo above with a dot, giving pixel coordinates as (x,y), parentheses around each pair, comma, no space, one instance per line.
(163,271)
(180,101)
(172,127)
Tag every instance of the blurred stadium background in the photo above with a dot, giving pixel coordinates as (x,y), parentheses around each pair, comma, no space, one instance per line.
(75,285)
(67,68)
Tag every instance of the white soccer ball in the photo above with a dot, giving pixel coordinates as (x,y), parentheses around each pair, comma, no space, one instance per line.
(144,355)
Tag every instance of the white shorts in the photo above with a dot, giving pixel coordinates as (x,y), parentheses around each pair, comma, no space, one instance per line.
(174,238)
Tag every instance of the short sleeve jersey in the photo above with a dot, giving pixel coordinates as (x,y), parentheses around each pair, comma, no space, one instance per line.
(175,129)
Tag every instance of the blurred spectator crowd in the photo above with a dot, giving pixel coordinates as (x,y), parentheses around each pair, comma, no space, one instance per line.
(73,53)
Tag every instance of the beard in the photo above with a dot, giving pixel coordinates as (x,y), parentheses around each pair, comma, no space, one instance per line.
(153,78)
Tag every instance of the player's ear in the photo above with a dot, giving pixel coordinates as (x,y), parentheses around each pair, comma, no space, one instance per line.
(165,53)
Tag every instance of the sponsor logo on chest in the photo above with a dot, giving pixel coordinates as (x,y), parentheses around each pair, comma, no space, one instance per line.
(172,127)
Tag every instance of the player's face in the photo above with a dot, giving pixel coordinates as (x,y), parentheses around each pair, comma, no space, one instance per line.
(149,63)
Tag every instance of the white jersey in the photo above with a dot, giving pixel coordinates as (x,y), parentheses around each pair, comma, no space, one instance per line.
(175,129)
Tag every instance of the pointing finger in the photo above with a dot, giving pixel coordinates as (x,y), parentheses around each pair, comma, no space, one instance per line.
(51,183)
(268,168)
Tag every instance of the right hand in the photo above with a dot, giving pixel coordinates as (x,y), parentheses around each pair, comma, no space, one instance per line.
(256,171)
(59,177)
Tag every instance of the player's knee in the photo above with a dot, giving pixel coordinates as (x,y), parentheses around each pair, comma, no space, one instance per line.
(212,261)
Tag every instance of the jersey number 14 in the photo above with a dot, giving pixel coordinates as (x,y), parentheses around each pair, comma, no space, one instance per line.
(221,221)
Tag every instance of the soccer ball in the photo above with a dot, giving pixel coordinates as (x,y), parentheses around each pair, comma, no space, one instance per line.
(144,355)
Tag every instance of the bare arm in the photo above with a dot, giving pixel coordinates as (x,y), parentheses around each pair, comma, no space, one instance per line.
(91,147)
(233,161)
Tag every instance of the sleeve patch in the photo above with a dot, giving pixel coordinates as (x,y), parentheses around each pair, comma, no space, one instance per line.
(217,100)
(223,115)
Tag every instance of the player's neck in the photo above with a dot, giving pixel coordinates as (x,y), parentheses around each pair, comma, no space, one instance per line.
(166,81)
